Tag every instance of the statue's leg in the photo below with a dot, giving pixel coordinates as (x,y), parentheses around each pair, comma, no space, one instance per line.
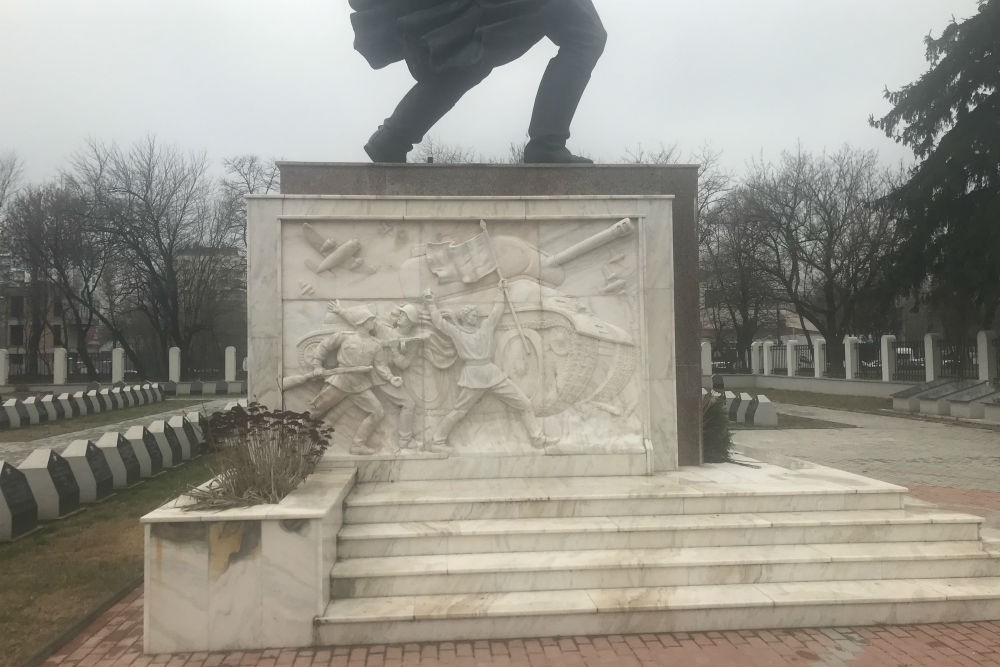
(511,395)
(398,397)
(367,401)
(327,399)
(575,27)
(466,399)
(429,99)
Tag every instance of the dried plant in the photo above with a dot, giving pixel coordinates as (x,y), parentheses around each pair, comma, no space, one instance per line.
(260,456)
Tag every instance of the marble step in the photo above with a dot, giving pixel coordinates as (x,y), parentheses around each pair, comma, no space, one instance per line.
(628,532)
(516,498)
(677,609)
(624,568)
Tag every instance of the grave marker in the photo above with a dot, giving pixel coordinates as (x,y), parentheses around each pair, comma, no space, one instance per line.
(18,509)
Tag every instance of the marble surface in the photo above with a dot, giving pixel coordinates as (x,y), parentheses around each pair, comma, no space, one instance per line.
(637,610)
(589,281)
(241,578)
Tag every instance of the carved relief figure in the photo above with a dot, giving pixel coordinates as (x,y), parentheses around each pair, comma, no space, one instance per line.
(474,344)
(361,365)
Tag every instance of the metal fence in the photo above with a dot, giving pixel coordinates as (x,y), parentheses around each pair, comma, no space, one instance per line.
(806,360)
(731,359)
(868,365)
(959,360)
(910,361)
(23,371)
(779,359)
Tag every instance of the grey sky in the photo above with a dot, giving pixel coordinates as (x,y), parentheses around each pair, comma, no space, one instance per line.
(280,78)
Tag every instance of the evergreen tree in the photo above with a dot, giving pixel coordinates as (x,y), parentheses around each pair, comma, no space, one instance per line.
(949,209)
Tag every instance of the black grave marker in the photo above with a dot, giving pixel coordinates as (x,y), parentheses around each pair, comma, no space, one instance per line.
(734,407)
(57,406)
(192,436)
(22,413)
(132,471)
(752,410)
(155,455)
(65,482)
(175,445)
(19,499)
(101,471)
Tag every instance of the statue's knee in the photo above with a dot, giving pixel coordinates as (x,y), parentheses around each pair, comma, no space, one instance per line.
(378,412)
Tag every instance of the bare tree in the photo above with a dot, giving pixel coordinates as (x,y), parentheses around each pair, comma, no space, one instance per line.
(24,230)
(737,293)
(827,239)
(10,176)
(161,208)
(244,175)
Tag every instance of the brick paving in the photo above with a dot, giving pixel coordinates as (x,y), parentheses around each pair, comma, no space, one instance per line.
(904,453)
(116,639)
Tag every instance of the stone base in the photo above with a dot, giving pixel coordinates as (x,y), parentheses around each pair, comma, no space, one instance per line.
(719,547)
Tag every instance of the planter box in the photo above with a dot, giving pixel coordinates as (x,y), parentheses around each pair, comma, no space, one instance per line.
(243,578)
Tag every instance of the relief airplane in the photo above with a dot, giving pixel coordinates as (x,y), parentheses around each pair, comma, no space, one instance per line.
(334,255)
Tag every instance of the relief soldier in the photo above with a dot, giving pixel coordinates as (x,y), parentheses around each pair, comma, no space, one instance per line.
(480,376)
(361,365)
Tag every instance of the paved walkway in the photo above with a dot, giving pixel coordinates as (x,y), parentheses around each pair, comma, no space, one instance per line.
(957,466)
(940,462)
(116,639)
(15,452)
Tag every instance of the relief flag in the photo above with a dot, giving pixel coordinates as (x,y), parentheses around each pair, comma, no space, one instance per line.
(468,262)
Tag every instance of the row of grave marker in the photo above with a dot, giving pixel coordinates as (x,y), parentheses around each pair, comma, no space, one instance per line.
(199,388)
(48,485)
(16,413)
(743,408)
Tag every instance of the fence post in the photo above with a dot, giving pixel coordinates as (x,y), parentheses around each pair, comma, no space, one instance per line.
(756,367)
(59,365)
(850,356)
(231,363)
(932,357)
(4,367)
(768,362)
(174,364)
(706,358)
(819,357)
(888,357)
(791,357)
(117,365)
(987,355)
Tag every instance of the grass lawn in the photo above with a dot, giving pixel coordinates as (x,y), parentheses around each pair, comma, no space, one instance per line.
(62,426)
(53,578)
(832,401)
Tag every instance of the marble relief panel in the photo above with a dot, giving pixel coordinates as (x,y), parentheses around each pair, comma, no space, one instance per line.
(419,337)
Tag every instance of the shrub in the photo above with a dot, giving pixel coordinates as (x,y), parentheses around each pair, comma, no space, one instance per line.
(717,442)
(260,456)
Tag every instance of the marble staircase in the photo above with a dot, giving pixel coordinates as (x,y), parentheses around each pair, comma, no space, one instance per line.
(709,548)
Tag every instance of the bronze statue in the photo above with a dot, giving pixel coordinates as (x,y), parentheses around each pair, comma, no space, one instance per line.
(452,45)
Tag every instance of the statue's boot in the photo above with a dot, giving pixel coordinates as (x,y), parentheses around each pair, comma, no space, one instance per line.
(423,106)
(574,26)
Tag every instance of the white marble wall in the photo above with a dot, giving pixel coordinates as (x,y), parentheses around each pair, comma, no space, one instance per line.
(596,361)
(242,578)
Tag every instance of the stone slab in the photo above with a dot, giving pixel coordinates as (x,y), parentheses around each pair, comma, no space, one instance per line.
(90,469)
(53,483)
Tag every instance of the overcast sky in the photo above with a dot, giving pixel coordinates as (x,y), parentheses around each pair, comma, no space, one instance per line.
(280,78)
